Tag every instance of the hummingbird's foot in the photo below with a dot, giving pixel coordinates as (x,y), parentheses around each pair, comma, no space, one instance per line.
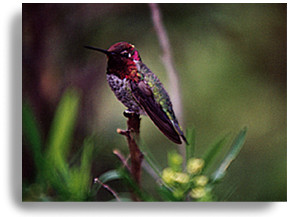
(129,113)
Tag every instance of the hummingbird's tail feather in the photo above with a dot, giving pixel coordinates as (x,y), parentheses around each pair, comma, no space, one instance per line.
(164,125)
(179,130)
(184,139)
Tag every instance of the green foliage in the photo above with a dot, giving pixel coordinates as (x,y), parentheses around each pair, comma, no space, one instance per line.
(214,150)
(180,186)
(61,132)
(57,179)
(104,178)
(232,154)
(148,156)
(33,135)
(191,136)
(178,183)
(54,173)
(191,183)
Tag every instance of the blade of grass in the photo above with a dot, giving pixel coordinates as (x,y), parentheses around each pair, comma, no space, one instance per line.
(213,151)
(32,133)
(110,175)
(232,154)
(151,164)
(62,129)
(190,149)
(59,139)
(121,199)
(166,194)
(119,174)
(137,190)
(105,177)
(148,156)
(80,177)
(87,155)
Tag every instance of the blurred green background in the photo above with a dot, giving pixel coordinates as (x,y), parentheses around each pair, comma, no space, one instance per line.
(232,65)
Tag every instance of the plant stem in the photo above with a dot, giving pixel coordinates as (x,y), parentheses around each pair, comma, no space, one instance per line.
(132,134)
(167,59)
(168,62)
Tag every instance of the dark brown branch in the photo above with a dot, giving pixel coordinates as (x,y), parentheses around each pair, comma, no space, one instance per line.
(132,135)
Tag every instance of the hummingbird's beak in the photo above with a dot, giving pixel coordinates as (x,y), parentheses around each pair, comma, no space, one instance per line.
(99,49)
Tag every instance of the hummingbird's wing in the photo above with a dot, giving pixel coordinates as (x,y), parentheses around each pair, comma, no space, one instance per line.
(144,96)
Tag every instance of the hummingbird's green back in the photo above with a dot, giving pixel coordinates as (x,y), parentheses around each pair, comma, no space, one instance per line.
(160,95)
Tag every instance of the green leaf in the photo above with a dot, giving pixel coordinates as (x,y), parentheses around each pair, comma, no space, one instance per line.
(87,155)
(213,151)
(59,139)
(166,194)
(190,149)
(105,177)
(80,177)
(124,175)
(61,130)
(32,133)
(122,199)
(148,156)
(110,175)
(137,190)
(152,165)
(234,151)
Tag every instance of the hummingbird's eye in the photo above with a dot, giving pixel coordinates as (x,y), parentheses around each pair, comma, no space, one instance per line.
(125,54)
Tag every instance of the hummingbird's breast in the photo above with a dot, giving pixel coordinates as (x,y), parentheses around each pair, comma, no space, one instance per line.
(122,90)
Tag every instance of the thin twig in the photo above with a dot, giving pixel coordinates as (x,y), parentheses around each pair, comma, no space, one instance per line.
(108,188)
(168,62)
(122,158)
(150,170)
(167,59)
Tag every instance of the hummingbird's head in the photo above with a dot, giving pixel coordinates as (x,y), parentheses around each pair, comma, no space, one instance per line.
(122,58)
(121,51)
(125,51)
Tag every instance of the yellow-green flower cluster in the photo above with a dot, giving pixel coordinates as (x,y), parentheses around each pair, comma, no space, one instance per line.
(182,183)
(175,160)
(198,192)
(172,177)
(200,180)
(195,165)
(178,181)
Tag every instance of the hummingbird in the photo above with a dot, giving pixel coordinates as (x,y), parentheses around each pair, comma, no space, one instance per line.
(139,89)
